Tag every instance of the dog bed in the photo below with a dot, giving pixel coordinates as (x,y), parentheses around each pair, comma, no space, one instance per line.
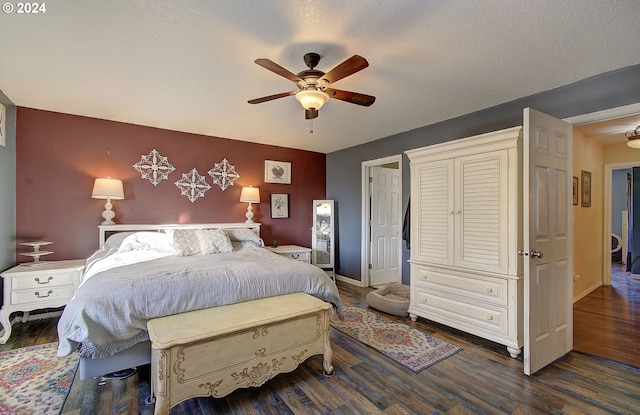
(392,299)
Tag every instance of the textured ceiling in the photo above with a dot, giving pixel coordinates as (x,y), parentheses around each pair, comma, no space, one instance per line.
(188,65)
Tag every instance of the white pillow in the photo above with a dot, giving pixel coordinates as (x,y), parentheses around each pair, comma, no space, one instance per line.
(185,242)
(213,241)
(115,240)
(244,235)
(146,241)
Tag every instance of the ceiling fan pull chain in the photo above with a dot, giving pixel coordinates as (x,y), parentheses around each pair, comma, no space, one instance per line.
(311,126)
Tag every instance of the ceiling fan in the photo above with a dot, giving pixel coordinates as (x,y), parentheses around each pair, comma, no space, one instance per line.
(313,91)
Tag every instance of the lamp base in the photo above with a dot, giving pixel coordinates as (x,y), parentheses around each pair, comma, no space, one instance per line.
(108,214)
(249,214)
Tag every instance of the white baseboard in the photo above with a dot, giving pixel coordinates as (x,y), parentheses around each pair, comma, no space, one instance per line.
(349,280)
(587,292)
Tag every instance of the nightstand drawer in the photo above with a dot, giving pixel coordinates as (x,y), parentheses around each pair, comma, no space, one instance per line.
(298,256)
(43,279)
(43,294)
(295,252)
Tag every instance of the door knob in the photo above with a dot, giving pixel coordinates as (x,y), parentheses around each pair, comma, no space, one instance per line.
(534,253)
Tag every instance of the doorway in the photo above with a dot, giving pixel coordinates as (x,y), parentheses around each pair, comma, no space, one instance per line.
(381,221)
(604,317)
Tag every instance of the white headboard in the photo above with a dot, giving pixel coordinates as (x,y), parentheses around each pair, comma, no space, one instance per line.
(108,230)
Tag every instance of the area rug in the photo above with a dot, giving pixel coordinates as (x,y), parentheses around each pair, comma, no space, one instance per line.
(33,380)
(412,348)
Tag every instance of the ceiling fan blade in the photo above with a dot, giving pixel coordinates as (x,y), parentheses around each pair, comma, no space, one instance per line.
(310,114)
(274,67)
(351,97)
(271,97)
(350,66)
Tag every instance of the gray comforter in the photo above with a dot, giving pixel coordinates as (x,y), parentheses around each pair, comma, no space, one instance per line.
(109,312)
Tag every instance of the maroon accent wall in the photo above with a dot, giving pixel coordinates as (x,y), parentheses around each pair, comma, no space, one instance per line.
(58,156)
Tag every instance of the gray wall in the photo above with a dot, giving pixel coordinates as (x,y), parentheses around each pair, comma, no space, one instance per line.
(609,90)
(7,188)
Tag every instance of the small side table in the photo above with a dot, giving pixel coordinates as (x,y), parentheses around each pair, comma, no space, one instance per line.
(299,253)
(34,286)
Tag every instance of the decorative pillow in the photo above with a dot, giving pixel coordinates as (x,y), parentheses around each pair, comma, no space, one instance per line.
(146,241)
(185,242)
(214,240)
(244,235)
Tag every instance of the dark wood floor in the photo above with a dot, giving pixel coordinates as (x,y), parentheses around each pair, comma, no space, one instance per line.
(606,323)
(481,379)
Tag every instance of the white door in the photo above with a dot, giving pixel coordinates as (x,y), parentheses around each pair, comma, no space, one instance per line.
(385,226)
(548,312)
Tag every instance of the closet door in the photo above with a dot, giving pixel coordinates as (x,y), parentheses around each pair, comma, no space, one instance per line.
(432,238)
(480,211)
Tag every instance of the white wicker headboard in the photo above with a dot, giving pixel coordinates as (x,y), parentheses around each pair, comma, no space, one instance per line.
(108,230)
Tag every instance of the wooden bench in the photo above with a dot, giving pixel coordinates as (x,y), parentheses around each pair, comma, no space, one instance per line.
(214,351)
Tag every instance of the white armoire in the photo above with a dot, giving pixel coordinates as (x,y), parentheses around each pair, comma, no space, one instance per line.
(466,226)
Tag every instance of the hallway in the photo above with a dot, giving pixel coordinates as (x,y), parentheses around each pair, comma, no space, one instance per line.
(606,323)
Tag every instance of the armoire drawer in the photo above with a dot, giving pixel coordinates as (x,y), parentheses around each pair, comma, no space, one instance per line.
(452,311)
(487,289)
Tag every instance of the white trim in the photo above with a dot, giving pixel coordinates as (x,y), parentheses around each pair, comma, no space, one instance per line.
(608,202)
(605,115)
(587,292)
(365,194)
(348,280)
(599,116)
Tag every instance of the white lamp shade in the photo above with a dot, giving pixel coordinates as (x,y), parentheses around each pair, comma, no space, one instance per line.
(107,188)
(634,143)
(312,99)
(250,195)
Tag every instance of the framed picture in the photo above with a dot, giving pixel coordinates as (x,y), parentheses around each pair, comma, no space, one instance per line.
(3,125)
(575,190)
(586,188)
(279,205)
(277,172)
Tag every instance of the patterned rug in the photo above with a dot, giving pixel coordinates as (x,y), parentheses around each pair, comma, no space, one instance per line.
(412,348)
(33,380)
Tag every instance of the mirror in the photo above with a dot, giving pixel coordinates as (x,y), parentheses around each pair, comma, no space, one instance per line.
(323,235)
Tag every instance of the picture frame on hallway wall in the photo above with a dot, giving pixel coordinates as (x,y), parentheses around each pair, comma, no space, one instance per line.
(277,172)
(575,190)
(3,125)
(279,205)
(586,188)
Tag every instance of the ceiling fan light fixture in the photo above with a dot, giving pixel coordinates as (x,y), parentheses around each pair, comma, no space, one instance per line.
(312,98)
(633,137)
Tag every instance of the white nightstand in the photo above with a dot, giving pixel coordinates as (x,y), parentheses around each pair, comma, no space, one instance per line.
(35,286)
(299,253)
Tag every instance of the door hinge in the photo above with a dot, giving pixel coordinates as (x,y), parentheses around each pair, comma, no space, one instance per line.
(370,266)
(370,179)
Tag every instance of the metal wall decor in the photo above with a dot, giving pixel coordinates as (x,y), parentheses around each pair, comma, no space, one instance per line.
(154,166)
(224,174)
(193,185)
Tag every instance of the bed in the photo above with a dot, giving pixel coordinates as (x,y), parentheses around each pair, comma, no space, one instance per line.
(143,272)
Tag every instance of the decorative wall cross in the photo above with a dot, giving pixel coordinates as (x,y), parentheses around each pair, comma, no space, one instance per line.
(223,174)
(154,167)
(193,185)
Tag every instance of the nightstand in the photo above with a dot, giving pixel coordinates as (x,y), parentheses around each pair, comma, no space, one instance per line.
(34,286)
(299,253)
